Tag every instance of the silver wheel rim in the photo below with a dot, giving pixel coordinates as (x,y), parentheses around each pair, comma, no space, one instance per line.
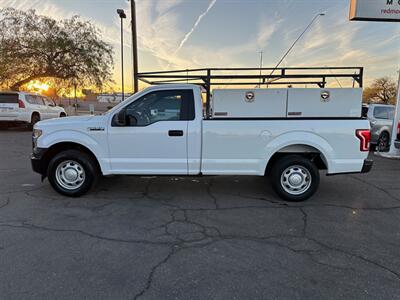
(70,175)
(296,180)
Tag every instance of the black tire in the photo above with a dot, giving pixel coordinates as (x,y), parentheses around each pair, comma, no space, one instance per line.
(80,159)
(34,119)
(298,167)
(63,115)
(383,142)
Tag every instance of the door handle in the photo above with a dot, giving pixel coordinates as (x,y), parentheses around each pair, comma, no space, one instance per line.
(175,133)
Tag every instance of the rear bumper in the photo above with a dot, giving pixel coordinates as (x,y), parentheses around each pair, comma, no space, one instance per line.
(366,167)
(20,117)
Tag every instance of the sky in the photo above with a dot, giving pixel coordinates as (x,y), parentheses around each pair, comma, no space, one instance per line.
(181,34)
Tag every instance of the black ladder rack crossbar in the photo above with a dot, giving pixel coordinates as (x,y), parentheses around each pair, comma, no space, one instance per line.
(208,77)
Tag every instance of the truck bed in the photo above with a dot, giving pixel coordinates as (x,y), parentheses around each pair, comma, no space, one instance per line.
(244,147)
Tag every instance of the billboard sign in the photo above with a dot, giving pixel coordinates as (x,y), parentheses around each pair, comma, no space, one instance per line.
(375,10)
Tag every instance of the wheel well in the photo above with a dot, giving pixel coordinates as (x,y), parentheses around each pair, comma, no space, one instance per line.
(35,113)
(57,148)
(384,131)
(306,151)
(63,114)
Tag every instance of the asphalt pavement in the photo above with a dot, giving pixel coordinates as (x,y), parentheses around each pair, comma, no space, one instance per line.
(225,237)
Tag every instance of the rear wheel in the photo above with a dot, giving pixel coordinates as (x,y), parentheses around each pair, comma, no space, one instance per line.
(294,178)
(72,173)
(34,119)
(383,142)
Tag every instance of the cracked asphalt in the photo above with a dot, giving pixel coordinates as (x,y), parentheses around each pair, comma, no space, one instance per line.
(196,238)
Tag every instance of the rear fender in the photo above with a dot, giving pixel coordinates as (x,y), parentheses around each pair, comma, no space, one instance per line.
(300,138)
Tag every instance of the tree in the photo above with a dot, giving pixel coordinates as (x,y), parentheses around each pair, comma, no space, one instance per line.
(381,90)
(35,47)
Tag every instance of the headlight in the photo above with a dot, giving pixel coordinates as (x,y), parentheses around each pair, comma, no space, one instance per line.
(36,133)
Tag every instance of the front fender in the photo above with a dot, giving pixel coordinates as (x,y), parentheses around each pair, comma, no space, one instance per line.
(300,138)
(73,136)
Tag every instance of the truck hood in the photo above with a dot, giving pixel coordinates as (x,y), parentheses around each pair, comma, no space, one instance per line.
(66,120)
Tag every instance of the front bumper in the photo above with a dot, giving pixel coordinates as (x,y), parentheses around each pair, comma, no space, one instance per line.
(38,161)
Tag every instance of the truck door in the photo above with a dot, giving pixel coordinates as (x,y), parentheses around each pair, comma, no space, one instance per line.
(149,135)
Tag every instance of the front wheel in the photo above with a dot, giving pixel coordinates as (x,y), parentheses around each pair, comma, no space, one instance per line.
(72,173)
(294,178)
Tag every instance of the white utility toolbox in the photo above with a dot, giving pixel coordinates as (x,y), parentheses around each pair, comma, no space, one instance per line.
(287,103)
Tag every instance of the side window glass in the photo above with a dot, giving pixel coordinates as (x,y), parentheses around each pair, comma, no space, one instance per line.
(30,99)
(40,100)
(48,102)
(381,113)
(169,105)
(391,113)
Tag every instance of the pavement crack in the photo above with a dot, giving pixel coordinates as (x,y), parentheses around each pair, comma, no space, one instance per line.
(375,186)
(305,217)
(154,269)
(212,196)
(91,235)
(6,203)
(360,257)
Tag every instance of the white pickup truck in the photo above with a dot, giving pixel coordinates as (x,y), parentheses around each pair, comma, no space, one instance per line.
(289,134)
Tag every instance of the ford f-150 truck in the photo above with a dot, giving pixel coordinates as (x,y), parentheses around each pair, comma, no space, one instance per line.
(289,134)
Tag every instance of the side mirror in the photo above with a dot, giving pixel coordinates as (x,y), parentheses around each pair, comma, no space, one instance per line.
(121,117)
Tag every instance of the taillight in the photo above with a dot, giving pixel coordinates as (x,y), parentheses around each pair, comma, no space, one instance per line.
(398,131)
(21,104)
(364,135)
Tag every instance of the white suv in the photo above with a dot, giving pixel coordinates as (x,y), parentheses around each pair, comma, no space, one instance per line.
(27,108)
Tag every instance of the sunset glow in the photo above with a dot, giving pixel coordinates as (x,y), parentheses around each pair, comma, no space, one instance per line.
(37,86)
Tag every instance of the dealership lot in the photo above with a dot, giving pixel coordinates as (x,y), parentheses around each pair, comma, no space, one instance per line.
(196,238)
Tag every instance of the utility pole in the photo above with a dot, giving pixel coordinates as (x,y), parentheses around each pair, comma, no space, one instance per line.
(134,47)
(122,16)
(76,99)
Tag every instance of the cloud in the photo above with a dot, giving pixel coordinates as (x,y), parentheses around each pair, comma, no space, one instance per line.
(163,44)
(43,7)
(190,32)
(164,6)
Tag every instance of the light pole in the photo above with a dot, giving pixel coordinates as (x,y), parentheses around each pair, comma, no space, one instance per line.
(261,65)
(122,16)
(295,42)
(134,47)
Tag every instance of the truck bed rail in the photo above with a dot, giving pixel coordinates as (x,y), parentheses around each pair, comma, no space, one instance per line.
(261,77)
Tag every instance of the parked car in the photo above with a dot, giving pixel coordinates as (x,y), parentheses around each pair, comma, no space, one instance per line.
(27,108)
(397,141)
(380,117)
(288,134)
